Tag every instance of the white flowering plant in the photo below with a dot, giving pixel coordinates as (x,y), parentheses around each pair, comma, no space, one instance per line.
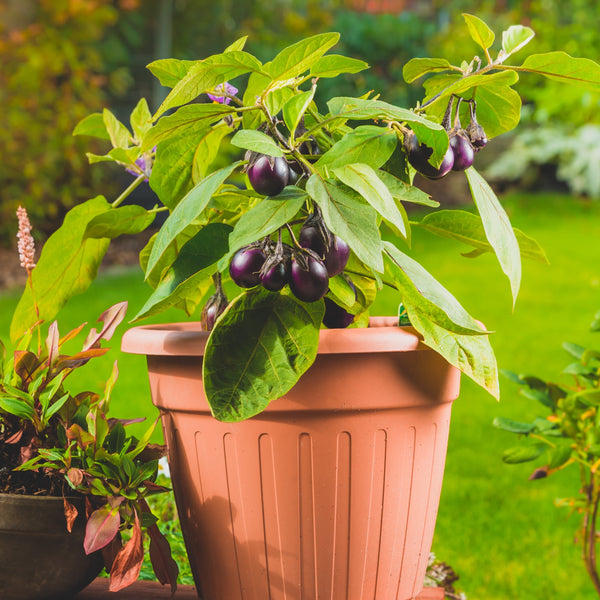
(293,229)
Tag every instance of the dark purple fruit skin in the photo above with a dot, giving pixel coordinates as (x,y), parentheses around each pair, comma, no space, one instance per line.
(310,238)
(336,259)
(310,285)
(245,266)
(335,316)
(418,157)
(275,278)
(463,153)
(268,180)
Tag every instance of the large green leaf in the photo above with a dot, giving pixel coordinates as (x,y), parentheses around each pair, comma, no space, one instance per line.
(472,354)
(203,76)
(420,290)
(186,212)
(171,176)
(417,67)
(468,228)
(429,133)
(299,57)
(266,217)
(257,352)
(520,454)
(188,279)
(332,65)
(366,144)
(185,122)
(119,134)
(207,150)
(67,266)
(348,216)
(562,67)
(498,229)
(129,219)
(365,181)
(140,120)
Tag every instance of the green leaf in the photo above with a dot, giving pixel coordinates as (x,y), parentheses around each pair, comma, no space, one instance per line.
(67,266)
(237,45)
(562,67)
(204,76)
(365,181)
(423,293)
(266,217)
(429,133)
(498,229)
(170,71)
(119,134)
(140,120)
(299,57)
(257,352)
(515,38)
(295,107)
(348,216)
(468,228)
(92,125)
(417,67)
(185,122)
(513,426)
(188,210)
(332,65)
(207,150)
(521,454)
(574,350)
(366,144)
(17,407)
(472,354)
(129,219)
(559,456)
(404,192)
(487,89)
(173,168)
(257,141)
(189,277)
(479,31)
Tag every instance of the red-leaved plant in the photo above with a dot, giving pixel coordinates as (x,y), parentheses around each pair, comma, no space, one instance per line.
(57,442)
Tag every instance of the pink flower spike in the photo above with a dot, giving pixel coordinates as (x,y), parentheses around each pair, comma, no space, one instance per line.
(219,92)
(25,244)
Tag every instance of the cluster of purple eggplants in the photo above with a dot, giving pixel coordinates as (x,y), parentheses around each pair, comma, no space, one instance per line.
(306,269)
(464,143)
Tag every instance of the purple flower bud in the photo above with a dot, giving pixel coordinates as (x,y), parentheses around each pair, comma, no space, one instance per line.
(219,90)
(144,162)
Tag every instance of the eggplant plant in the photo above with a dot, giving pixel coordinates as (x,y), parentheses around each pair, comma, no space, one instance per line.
(296,222)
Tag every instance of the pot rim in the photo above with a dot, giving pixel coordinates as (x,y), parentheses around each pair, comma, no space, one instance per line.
(188,339)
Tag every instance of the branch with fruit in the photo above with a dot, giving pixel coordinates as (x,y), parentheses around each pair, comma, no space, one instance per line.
(292,232)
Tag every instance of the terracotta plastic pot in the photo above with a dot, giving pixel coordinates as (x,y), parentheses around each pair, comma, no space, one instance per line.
(39,558)
(330,493)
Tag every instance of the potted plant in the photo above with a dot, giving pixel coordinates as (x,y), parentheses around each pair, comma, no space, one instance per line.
(566,435)
(282,250)
(72,480)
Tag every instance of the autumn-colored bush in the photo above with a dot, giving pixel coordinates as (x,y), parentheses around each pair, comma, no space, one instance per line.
(53,71)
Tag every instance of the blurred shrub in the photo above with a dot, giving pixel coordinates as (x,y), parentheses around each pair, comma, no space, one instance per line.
(53,74)
(573,154)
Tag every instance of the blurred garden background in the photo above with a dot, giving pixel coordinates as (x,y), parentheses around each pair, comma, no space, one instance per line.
(64,59)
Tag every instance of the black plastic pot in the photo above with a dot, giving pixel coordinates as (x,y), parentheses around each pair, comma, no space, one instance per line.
(39,558)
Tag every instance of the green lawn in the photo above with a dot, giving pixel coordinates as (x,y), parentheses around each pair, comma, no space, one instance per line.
(499,531)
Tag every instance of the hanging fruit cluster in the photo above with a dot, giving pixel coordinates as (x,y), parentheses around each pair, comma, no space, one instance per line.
(464,143)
